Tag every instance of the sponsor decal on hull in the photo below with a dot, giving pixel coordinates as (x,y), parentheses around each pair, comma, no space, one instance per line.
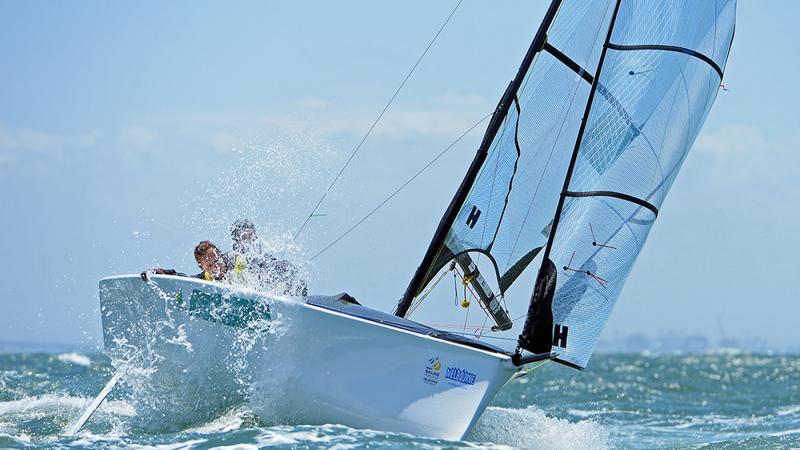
(460,377)
(432,371)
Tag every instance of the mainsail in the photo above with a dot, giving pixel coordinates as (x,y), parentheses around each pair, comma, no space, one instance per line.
(579,156)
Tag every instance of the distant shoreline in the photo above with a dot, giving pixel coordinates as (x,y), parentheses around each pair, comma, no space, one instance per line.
(46,347)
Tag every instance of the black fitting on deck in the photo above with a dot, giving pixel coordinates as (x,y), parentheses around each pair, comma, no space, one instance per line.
(520,360)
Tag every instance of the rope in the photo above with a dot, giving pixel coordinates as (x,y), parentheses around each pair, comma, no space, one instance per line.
(418,300)
(529,370)
(363,219)
(375,123)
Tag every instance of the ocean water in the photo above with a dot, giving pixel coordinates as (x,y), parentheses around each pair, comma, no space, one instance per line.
(717,400)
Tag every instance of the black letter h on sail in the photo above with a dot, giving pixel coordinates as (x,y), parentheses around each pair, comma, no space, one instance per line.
(473,217)
(560,335)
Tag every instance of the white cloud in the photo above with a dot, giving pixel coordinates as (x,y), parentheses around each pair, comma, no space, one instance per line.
(27,139)
(226,141)
(139,137)
(313,103)
(743,152)
(15,143)
(733,141)
(432,122)
(448,115)
(445,116)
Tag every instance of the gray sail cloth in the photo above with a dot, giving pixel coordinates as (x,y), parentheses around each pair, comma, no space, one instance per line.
(661,73)
(257,268)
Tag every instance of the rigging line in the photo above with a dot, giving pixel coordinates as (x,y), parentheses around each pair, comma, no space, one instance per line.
(465,320)
(377,119)
(455,289)
(488,337)
(419,172)
(418,301)
(483,327)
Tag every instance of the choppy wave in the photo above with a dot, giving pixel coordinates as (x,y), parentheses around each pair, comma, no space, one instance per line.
(74,358)
(699,401)
(532,428)
(43,419)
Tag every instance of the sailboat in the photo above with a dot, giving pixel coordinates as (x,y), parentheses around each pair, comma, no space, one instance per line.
(561,195)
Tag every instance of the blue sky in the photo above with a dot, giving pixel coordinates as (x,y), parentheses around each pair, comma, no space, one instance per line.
(129,131)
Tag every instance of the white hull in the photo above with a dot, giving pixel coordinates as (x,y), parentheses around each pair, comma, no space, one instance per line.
(324,361)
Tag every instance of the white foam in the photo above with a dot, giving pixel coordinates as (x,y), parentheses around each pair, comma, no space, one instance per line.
(532,428)
(786,433)
(232,420)
(238,447)
(330,436)
(53,402)
(63,409)
(75,358)
(583,413)
(788,410)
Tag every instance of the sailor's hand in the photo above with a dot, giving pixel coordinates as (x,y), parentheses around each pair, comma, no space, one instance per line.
(156,271)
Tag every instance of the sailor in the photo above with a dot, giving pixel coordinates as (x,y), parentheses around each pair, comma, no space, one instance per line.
(209,258)
(250,264)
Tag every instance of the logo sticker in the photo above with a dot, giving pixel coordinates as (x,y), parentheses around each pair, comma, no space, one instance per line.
(432,371)
(460,376)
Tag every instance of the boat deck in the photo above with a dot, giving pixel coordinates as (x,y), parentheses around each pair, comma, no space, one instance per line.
(345,304)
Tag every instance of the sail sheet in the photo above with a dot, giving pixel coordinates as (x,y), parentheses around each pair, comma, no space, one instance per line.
(659,77)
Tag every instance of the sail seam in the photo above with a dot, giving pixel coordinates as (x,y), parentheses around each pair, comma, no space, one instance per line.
(670,48)
(619,195)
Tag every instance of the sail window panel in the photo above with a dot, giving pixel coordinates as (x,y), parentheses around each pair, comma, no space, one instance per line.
(704,26)
(598,241)
(640,132)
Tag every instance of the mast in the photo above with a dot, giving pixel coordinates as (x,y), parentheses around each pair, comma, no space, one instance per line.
(539,308)
(464,188)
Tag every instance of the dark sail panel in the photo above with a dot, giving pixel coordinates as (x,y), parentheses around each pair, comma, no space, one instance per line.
(659,78)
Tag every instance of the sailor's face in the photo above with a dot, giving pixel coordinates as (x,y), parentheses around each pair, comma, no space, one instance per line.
(212,262)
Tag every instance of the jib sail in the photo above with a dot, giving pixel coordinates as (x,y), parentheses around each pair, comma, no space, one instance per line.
(508,197)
